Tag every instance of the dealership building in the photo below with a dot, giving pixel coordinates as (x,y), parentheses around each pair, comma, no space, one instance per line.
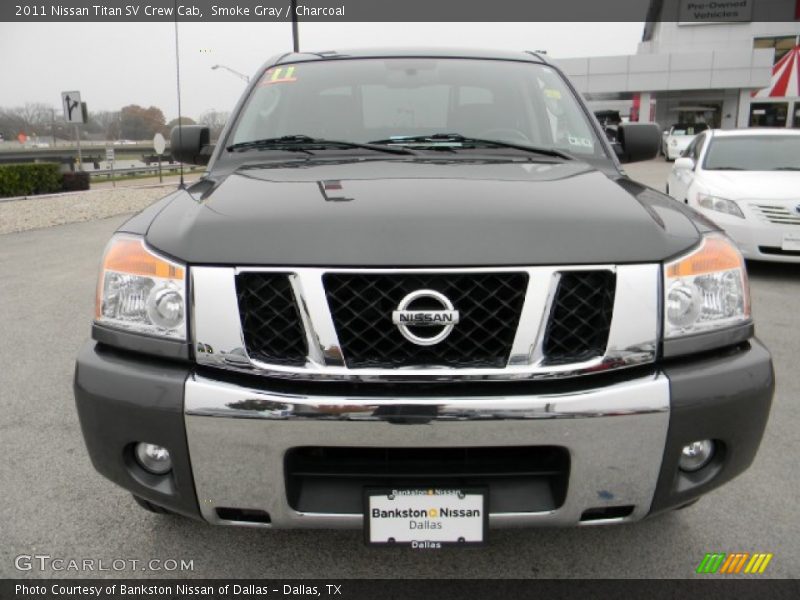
(730,63)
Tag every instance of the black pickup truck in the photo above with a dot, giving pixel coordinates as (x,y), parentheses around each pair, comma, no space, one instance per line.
(415,293)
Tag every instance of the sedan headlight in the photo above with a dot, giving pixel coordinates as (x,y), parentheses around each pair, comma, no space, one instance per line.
(706,290)
(141,292)
(720,205)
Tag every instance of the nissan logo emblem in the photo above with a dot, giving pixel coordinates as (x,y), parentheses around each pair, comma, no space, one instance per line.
(444,319)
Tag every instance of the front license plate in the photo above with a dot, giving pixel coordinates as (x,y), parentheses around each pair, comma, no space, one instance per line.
(791,242)
(426,517)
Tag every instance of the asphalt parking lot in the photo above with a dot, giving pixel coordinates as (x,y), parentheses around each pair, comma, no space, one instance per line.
(54,503)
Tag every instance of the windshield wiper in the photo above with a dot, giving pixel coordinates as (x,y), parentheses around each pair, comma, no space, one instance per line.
(442,140)
(301,143)
(726,169)
(786,169)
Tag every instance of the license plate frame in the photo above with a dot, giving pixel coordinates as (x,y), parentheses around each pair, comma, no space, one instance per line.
(419,498)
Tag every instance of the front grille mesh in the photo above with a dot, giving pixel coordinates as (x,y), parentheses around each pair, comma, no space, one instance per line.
(273,330)
(489,305)
(580,318)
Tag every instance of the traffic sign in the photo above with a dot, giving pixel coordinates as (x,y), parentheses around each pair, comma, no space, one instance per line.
(159,143)
(73,110)
(110,154)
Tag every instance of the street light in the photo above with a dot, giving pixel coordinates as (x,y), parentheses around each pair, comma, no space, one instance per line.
(234,71)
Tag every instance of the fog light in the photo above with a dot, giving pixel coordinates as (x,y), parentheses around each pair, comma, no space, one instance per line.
(696,455)
(155,459)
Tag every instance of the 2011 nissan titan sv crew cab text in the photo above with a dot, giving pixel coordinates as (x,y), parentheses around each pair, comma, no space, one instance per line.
(415,292)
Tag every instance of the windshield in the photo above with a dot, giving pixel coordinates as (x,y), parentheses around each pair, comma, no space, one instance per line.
(754,153)
(374,100)
(688,129)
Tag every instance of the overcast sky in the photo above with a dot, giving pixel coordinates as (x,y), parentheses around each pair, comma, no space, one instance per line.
(115,64)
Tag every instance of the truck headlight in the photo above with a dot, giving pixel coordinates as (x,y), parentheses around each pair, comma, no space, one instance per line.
(718,204)
(706,289)
(141,292)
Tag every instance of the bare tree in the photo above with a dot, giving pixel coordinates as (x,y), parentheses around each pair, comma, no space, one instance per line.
(182,121)
(11,124)
(32,119)
(37,115)
(107,122)
(139,123)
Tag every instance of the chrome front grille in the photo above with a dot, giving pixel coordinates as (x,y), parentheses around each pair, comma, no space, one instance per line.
(777,214)
(489,303)
(515,323)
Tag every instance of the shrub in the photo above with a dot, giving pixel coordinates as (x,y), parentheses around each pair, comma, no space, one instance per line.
(75,181)
(28,179)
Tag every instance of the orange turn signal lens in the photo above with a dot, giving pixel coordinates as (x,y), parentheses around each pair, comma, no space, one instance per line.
(128,255)
(716,254)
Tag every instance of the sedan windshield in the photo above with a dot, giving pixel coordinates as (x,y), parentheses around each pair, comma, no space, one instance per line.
(401,101)
(754,153)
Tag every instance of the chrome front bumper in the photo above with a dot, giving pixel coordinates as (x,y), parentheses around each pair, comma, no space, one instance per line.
(237,439)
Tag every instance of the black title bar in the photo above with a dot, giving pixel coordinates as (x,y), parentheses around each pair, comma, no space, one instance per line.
(333,11)
(710,588)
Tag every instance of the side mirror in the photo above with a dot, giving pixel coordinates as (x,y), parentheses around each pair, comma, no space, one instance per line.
(611,133)
(190,144)
(637,141)
(684,163)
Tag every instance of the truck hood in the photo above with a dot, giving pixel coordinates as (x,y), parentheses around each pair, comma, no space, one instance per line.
(421,213)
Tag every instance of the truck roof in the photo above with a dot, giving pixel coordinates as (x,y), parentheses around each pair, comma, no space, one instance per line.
(412,52)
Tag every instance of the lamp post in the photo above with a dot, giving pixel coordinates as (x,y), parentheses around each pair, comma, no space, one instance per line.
(233,71)
(295,32)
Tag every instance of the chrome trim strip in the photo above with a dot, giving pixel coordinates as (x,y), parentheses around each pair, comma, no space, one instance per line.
(601,522)
(546,295)
(320,317)
(636,316)
(221,341)
(238,437)
(533,319)
(218,331)
(210,398)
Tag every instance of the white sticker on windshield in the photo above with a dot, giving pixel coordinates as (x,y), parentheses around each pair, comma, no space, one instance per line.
(579,141)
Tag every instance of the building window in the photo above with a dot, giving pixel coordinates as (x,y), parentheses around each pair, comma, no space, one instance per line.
(781,44)
(768,114)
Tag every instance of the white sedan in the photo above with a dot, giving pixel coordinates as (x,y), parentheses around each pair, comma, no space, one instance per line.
(748,182)
(675,139)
